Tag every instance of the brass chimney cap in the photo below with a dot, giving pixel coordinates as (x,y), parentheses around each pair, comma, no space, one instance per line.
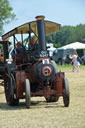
(40,17)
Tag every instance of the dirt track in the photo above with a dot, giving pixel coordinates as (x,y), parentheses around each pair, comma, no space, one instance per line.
(48,115)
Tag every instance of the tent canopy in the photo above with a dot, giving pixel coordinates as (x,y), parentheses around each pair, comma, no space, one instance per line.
(76,45)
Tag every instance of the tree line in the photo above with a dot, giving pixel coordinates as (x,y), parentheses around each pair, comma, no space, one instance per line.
(67,35)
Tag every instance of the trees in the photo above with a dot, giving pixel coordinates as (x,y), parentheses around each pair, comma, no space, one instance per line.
(67,35)
(6,14)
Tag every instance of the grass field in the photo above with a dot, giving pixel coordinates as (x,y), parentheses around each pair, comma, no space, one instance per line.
(49,115)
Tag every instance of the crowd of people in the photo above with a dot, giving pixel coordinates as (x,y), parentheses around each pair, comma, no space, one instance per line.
(19,49)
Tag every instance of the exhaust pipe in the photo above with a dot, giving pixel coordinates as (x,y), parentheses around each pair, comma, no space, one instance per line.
(41,32)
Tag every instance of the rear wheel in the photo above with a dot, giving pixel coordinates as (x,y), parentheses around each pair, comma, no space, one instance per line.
(12,100)
(66,96)
(27,93)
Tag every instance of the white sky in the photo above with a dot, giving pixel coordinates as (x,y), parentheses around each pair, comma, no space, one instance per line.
(64,12)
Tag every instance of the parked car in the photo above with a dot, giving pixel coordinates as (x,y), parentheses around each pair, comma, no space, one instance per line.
(62,56)
(83,60)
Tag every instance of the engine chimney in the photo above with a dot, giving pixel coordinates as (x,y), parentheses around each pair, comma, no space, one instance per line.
(41,32)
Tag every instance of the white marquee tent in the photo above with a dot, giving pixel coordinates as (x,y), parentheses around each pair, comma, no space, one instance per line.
(76,45)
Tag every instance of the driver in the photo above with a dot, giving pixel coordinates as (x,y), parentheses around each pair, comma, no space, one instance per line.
(34,44)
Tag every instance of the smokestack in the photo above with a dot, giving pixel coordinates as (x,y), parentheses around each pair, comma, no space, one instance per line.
(41,32)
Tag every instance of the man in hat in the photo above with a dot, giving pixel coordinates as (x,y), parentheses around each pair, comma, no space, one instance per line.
(33,45)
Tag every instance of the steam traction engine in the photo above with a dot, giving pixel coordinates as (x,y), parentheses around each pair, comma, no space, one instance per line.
(38,76)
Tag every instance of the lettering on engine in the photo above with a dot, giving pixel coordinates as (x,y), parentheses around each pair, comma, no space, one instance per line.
(43,54)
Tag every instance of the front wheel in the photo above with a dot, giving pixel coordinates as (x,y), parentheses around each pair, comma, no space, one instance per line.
(27,93)
(66,96)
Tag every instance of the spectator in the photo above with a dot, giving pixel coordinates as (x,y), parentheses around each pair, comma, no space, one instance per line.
(75,63)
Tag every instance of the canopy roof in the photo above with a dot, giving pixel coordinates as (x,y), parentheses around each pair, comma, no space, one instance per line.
(50,28)
(76,45)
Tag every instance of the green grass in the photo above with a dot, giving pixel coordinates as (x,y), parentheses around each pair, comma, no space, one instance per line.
(69,66)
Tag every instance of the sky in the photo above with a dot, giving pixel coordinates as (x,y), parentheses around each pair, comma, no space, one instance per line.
(64,12)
